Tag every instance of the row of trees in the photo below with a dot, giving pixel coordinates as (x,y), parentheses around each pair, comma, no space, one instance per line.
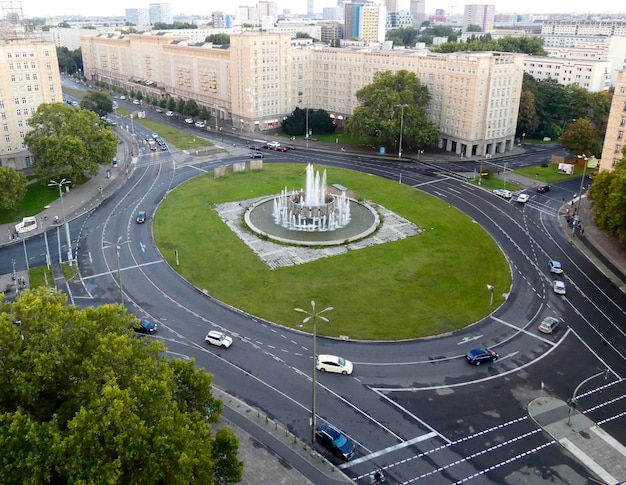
(83,400)
(317,120)
(607,193)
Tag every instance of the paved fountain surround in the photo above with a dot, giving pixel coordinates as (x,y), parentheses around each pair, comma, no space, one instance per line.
(392,228)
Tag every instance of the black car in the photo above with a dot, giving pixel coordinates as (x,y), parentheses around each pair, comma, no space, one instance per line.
(478,356)
(145,326)
(333,439)
(543,188)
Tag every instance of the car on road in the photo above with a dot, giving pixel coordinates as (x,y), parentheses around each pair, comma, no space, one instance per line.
(145,326)
(333,363)
(335,441)
(122,97)
(155,136)
(254,147)
(141,217)
(555,267)
(271,145)
(281,149)
(219,339)
(480,355)
(153,146)
(256,155)
(189,121)
(523,198)
(159,110)
(549,325)
(136,101)
(559,287)
(506,194)
(543,188)
(199,124)
(169,113)
(290,147)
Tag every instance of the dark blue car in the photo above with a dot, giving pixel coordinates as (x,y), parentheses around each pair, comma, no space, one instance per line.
(335,441)
(478,356)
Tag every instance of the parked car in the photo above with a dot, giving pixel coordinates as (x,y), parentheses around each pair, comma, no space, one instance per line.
(555,267)
(141,217)
(189,121)
(543,188)
(145,326)
(506,194)
(169,113)
(334,440)
(219,339)
(200,124)
(559,287)
(549,324)
(256,155)
(480,355)
(333,363)
(523,198)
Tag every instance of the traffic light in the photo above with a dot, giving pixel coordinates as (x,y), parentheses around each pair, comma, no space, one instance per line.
(572,403)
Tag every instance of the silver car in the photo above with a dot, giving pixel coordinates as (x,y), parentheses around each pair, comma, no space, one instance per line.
(549,325)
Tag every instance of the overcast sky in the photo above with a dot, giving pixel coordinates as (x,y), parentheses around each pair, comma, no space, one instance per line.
(41,8)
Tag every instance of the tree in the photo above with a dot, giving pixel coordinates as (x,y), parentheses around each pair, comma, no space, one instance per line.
(527,120)
(607,194)
(12,188)
(580,137)
(191,108)
(379,114)
(319,122)
(474,28)
(97,101)
(68,141)
(82,400)
(218,39)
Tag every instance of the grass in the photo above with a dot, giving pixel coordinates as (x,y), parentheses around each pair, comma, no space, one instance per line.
(415,287)
(40,276)
(37,197)
(551,174)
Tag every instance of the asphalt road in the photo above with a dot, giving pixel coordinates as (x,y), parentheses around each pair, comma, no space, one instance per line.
(417,409)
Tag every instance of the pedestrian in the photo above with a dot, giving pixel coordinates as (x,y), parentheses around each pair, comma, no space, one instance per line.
(582,231)
(572,202)
(567,213)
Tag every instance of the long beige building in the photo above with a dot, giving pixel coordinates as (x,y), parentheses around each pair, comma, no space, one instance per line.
(614,140)
(262,77)
(29,76)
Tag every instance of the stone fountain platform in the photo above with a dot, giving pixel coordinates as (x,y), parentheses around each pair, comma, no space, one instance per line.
(392,228)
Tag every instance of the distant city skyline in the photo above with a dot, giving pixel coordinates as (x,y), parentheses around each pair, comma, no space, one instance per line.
(117,8)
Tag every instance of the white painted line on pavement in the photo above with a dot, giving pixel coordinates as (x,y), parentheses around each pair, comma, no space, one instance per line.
(122,269)
(389,449)
(534,335)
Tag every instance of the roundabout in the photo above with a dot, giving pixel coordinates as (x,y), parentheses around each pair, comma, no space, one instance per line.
(381,288)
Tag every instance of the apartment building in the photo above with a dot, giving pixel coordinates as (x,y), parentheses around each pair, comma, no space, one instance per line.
(479,14)
(583,27)
(161,13)
(616,126)
(138,16)
(264,76)
(29,76)
(589,74)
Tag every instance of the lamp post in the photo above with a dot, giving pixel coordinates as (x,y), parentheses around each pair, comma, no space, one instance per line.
(582,181)
(117,247)
(402,106)
(60,184)
(314,316)
(216,118)
(572,403)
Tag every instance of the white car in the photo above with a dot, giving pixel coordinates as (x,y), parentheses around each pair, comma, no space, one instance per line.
(218,338)
(523,198)
(559,287)
(169,113)
(199,124)
(136,101)
(333,363)
(189,121)
(273,144)
(506,194)
(549,324)
(122,97)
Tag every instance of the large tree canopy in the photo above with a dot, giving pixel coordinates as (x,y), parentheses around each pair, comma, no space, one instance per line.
(83,400)
(580,138)
(12,188)
(68,141)
(607,193)
(97,101)
(393,101)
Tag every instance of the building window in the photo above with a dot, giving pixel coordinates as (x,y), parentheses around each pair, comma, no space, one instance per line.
(618,148)
(620,135)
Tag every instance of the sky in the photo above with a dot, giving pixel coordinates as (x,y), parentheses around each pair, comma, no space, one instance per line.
(41,8)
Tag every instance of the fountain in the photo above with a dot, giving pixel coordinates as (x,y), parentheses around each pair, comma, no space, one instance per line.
(311,209)
(312,216)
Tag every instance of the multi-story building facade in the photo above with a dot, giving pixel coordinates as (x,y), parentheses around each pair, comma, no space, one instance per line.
(138,16)
(583,27)
(264,76)
(161,13)
(417,9)
(479,14)
(29,76)
(589,74)
(616,126)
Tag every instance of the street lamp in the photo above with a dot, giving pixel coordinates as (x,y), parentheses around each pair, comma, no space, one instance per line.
(216,118)
(60,184)
(401,126)
(313,315)
(582,181)
(117,247)
(572,403)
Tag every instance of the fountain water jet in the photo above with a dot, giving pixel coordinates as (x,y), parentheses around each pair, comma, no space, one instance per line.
(311,209)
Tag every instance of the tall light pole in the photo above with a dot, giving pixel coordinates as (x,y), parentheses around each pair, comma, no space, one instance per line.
(314,315)
(117,247)
(401,127)
(216,118)
(60,184)
(582,181)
